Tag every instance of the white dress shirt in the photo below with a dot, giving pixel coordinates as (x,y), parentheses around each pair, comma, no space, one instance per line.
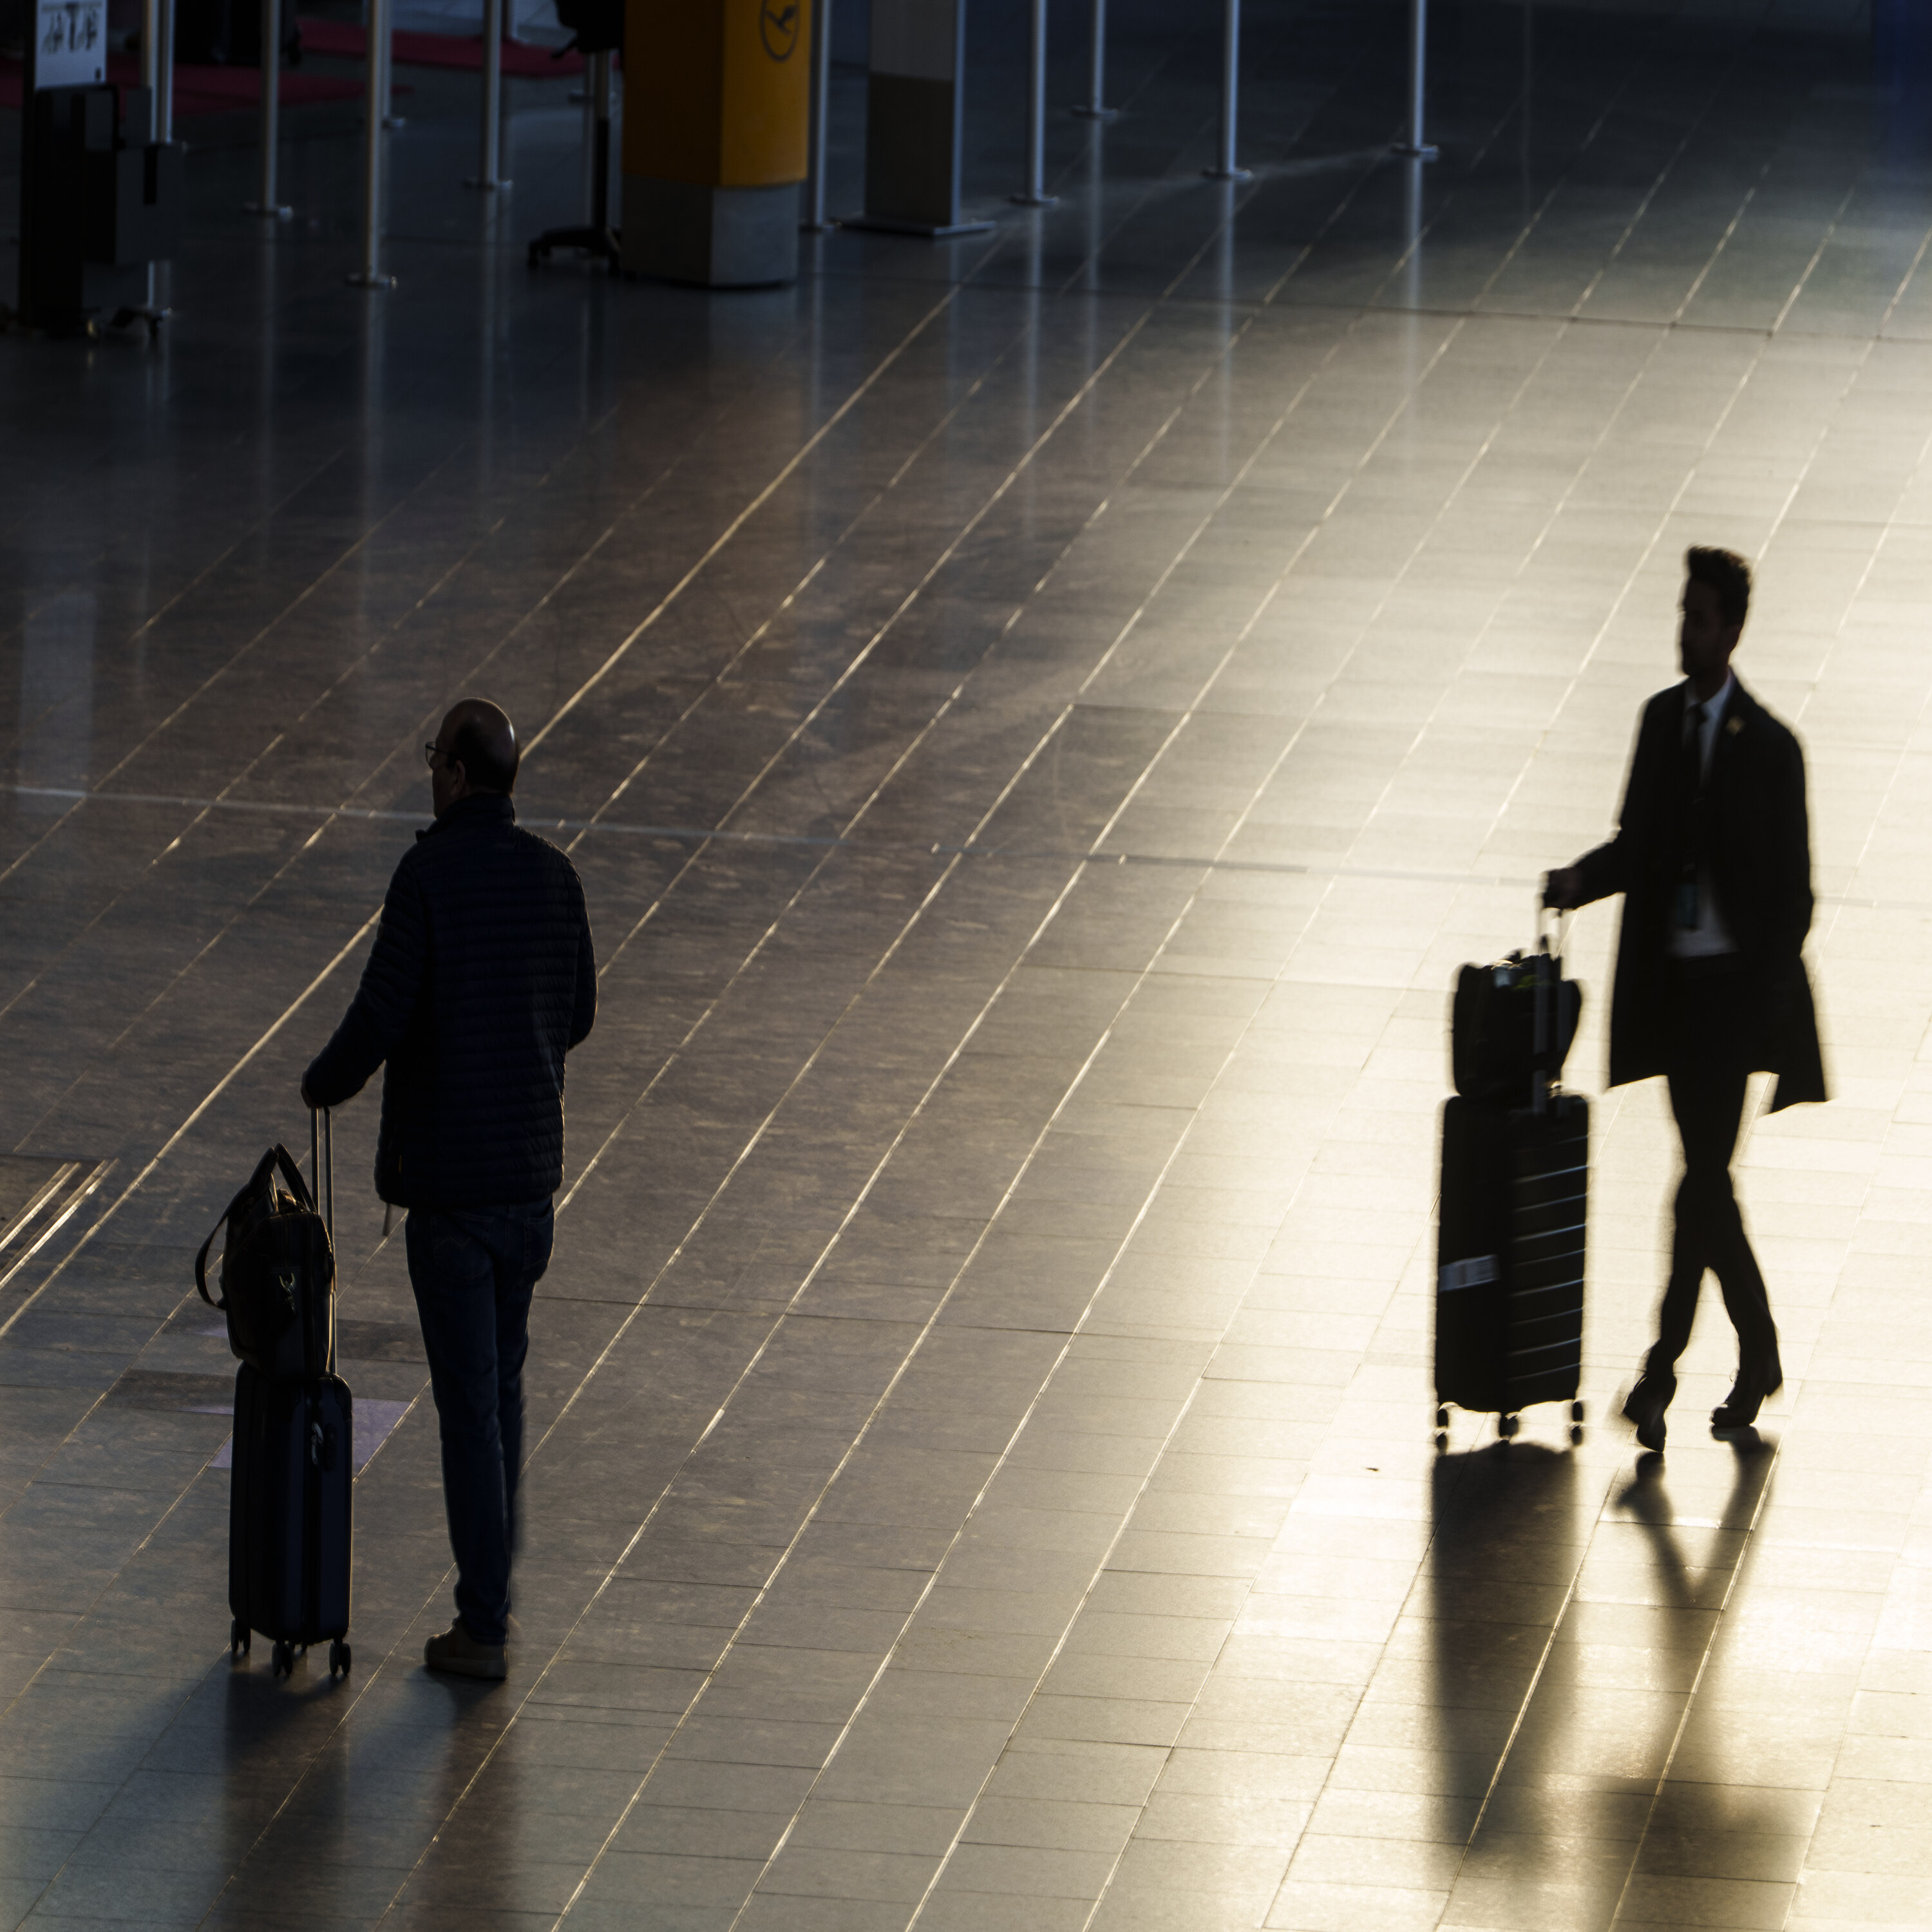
(1710,936)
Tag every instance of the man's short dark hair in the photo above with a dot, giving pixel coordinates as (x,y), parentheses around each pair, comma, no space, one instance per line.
(469,746)
(1727,574)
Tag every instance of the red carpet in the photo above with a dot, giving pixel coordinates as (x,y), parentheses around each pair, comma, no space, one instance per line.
(348,38)
(209,90)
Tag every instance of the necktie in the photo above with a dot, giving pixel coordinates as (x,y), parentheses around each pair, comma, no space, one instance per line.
(1689,813)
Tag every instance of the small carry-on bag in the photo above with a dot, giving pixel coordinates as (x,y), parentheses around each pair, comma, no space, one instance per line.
(1509,1280)
(277,1273)
(288,1496)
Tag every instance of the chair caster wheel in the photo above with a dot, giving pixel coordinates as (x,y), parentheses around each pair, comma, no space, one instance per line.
(1442,1417)
(1576,1431)
(282,1660)
(338,1659)
(238,1638)
(1576,1412)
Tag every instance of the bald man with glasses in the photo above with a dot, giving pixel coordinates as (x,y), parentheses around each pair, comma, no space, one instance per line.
(480,980)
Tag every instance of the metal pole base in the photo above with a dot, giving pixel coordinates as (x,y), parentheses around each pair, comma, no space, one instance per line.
(1032,200)
(488,186)
(1096,113)
(267,213)
(1228,174)
(371,281)
(1409,153)
(929,231)
(152,317)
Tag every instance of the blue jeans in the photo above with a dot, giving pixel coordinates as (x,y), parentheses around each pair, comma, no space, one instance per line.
(472,1270)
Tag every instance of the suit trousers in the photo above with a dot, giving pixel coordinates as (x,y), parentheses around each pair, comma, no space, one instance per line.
(1715,1017)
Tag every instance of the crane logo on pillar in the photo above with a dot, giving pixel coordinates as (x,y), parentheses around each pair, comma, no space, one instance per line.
(777,27)
(70,43)
(716,113)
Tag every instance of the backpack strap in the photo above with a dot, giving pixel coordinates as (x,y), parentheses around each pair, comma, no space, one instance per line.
(277,1156)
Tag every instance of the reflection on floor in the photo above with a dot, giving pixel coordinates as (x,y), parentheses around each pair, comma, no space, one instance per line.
(1040,720)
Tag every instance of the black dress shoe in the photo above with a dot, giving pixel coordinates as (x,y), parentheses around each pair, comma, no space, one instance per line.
(1738,1410)
(1645,1406)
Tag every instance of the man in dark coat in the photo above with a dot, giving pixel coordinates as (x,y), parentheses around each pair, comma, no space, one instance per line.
(481,980)
(1713,857)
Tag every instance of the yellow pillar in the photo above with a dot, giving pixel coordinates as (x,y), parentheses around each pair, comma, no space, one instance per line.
(717,108)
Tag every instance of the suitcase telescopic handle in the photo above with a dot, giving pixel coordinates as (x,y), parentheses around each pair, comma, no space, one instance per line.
(322,1166)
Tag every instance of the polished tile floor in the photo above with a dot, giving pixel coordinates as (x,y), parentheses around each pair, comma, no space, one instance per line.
(1040,720)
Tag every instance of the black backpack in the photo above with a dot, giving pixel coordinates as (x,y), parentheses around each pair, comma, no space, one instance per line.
(277,1274)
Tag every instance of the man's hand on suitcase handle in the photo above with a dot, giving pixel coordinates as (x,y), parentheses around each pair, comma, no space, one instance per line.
(1561,888)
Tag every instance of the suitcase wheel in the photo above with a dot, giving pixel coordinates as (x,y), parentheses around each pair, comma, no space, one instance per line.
(238,1638)
(1441,1440)
(282,1660)
(1576,1412)
(1442,1417)
(338,1659)
(1576,1431)
(1507,1426)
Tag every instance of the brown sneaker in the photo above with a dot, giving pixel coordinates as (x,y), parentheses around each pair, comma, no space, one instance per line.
(456,1652)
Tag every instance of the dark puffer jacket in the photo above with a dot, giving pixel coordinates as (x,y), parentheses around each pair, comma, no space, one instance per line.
(481,980)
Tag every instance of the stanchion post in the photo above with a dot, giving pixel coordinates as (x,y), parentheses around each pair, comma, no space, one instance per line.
(1416,148)
(1035,194)
(1094,107)
(370,275)
(267,202)
(490,157)
(164,82)
(1225,168)
(814,221)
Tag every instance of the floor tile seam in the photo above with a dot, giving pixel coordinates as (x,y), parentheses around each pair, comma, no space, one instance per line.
(1718,83)
(795,462)
(1001,1462)
(764,1588)
(1635,573)
(29,1300)
(1690,1697)
(923,449)
(1070,1340)
(213,1094)
(175,984)
(800,728)
(360,543)
(1421,1564)
(1549,350)
(778,1322)
(1469,180)
(1818,255)
(367,536)
(1905,282)
(1146,1205)
(1877,551)
(765,938)
(1271,294)
(9,634)
(744,516)
(186,1687)
(1557,511)
(1302,391)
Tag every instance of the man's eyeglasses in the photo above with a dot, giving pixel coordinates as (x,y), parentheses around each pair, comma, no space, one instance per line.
(431,755)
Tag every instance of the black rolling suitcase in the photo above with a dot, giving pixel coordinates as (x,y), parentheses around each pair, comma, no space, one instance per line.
(289,1497)
(1509,1281)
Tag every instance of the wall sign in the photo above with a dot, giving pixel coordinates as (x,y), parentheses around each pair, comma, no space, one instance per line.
(70,43)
